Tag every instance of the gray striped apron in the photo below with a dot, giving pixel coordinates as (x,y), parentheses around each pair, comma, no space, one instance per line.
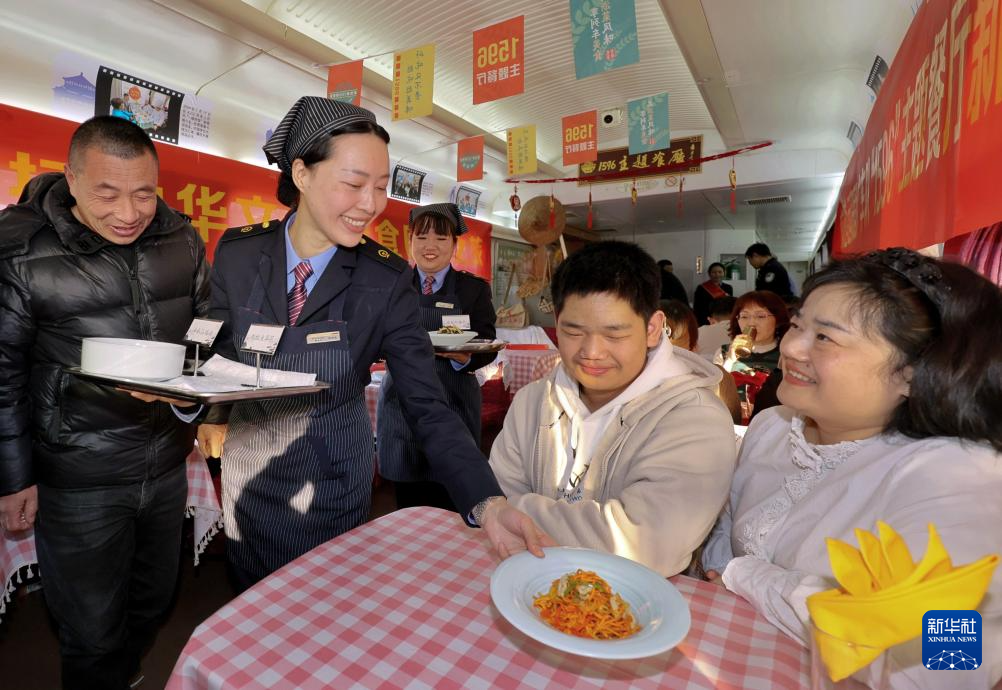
(297,472)
(400,458)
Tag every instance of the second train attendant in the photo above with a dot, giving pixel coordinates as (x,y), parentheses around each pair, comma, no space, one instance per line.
(444,292)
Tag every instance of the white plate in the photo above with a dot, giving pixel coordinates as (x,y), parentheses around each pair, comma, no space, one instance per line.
(656,605)
(453,339)
(142,360)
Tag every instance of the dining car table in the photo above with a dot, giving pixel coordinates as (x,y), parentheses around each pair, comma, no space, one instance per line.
(404,602)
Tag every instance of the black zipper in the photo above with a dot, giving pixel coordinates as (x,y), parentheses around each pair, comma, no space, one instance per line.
(146,332)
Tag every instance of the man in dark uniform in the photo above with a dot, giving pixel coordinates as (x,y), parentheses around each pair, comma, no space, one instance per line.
(94,252)
(772,275)
(671,286)
(447,296)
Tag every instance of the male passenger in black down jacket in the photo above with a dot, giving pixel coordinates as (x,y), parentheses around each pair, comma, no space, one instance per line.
(94,252)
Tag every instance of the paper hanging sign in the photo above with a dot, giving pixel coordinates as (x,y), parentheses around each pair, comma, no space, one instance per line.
(604,33)
(580,140)
(498,60)
(262,338)
(470,159)
(155,108)
(466,200)
(522,150)
(648,120)
(344,82)
(203,331)
(413,82)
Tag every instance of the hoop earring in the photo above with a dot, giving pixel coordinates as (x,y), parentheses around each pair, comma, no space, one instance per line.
(668,330)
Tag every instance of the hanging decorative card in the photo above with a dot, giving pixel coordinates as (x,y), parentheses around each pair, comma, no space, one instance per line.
(467,199)
(648,119)
(498,60)
(470,159)
(580,137)
(155,108)
(407,183)
(604,33)
(522,150)
(413,82)
(344,82)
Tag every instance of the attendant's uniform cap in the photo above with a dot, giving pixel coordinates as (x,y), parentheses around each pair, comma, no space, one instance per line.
(310,119)
(448,211)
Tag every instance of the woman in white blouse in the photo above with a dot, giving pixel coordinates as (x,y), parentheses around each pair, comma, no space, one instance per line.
(892,410)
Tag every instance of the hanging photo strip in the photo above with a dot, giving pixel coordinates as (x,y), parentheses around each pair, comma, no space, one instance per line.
(467,199)
(407,183)
(155,108)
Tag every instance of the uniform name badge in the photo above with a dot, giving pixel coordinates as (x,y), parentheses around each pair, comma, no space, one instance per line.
(327,337)
(444,305)
(461,321)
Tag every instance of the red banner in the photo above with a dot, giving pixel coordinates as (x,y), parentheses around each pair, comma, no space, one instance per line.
(470,159)
(580,138)
(344,82)
(473,252)
(216,192)
(925,169)
(498,60)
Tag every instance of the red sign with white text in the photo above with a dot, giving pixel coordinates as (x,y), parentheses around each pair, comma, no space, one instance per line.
(470,159)
(498,60)
(344,82)
(580,140)
(925,169)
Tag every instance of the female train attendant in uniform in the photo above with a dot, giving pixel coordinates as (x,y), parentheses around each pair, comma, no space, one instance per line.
(444,291)
(298,471)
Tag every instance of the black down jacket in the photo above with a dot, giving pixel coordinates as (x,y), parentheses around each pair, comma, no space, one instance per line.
(61,282)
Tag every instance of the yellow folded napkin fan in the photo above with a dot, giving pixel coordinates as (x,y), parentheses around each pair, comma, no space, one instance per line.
(884,595)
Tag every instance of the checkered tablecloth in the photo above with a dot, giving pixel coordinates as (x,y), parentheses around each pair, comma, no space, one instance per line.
(17,551)
(404,602)
(371,399)
(522,367)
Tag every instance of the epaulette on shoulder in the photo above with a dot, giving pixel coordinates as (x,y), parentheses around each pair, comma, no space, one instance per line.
(250,231)
(18,224)
(381,254)
(475,277)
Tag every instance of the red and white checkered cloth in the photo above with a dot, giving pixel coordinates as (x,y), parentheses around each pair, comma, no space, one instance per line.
(18,550)
(371,399)
(522,367)
(404,602)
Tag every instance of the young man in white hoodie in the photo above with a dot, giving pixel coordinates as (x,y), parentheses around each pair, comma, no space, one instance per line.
(625,447)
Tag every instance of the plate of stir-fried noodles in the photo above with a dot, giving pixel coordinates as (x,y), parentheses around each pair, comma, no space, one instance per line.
(590,603)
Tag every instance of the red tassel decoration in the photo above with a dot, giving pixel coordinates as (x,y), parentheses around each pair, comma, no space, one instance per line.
(734,189)
(590,218)
(678,206)
(516,203)
(553,213)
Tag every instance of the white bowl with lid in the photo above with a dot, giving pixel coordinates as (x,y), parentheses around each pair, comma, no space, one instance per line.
(146,360)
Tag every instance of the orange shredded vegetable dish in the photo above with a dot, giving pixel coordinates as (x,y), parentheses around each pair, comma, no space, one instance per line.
(583,604)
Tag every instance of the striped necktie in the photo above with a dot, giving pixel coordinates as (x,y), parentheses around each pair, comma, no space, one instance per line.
(429,282)
(297,295)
